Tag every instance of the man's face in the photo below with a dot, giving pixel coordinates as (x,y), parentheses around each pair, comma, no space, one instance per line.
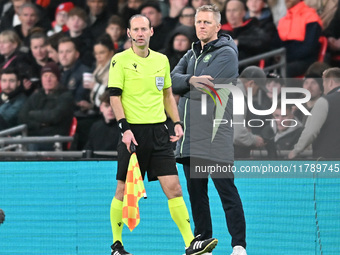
(49,81)
(188,17)
(38,49)
(96,6)
(9,83)
(235,13)
(291,3)
(313,87)
(181,43)
(154,16)
(198,3)
(140,31)
(67,54)
(28,17)
(206,27)
(75,24)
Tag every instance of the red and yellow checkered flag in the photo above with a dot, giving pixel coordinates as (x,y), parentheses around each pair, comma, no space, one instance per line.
(134,190)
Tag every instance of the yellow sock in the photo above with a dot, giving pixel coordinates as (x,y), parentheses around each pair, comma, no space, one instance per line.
(180,215)
(116,217)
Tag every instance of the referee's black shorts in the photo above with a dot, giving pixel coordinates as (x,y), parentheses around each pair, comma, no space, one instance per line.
(154,152)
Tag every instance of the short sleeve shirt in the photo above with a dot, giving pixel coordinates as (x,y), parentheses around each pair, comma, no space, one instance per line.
(142,81)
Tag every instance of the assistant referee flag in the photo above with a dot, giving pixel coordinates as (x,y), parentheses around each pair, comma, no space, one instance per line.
(134,190)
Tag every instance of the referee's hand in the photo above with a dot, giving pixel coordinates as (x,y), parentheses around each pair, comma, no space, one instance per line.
(178,133)
(128,137)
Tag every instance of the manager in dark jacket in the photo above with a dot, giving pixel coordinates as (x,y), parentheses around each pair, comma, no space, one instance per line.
(212,60)
(49,111)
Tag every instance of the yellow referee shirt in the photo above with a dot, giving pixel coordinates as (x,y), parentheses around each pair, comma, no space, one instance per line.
(142,81)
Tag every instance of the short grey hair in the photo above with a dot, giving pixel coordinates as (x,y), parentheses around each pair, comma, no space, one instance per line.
(210,8)
(32,6)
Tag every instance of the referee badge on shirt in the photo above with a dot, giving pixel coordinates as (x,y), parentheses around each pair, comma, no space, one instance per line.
(159,83)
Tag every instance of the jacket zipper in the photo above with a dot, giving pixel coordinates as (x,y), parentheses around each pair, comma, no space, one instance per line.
(186,102)
(184,126)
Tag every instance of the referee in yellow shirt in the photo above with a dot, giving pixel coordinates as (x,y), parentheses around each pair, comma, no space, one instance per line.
(140,91)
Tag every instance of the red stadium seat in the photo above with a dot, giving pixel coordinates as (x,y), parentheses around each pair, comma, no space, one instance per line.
(262,63)
(323,48)
(73,129)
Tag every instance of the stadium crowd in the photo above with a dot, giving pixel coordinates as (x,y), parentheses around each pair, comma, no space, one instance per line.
(55,58)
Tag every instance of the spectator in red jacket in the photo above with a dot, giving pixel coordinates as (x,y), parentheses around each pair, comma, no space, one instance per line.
(299,33)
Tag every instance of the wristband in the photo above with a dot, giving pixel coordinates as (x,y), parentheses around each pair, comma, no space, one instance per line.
(179,123)
(123,125)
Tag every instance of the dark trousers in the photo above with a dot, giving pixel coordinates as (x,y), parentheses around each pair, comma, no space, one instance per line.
(231,203)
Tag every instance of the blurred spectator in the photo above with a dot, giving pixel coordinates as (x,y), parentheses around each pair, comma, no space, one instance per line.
(175,8)
(187,16)
(274,82)
(248,36)
(72,78)
(77,24)
(198,3)
(11,17)
(323,125)
(278,9)
(48,112)
(28,15)
(12,98)
(313,83)
(98,16)
(332,32)
(107,125)
(37,58)
(10,55)
(38,52)
(219,3)
(325,8)
(287,128)
(257,9)
(2,216)
(61,14)
(317,68)
(52,46)
(116,30)
(299,33)
(244,138)
(161,27)
(130,8)
(72,70)
(103,52)
(179,43)
(97,84)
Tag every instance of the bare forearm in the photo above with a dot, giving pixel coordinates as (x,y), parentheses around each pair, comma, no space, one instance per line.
(170,105)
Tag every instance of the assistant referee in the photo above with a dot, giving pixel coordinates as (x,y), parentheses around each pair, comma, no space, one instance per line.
(140,92)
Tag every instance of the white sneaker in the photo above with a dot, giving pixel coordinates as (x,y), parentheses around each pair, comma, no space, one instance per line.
(239,250)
